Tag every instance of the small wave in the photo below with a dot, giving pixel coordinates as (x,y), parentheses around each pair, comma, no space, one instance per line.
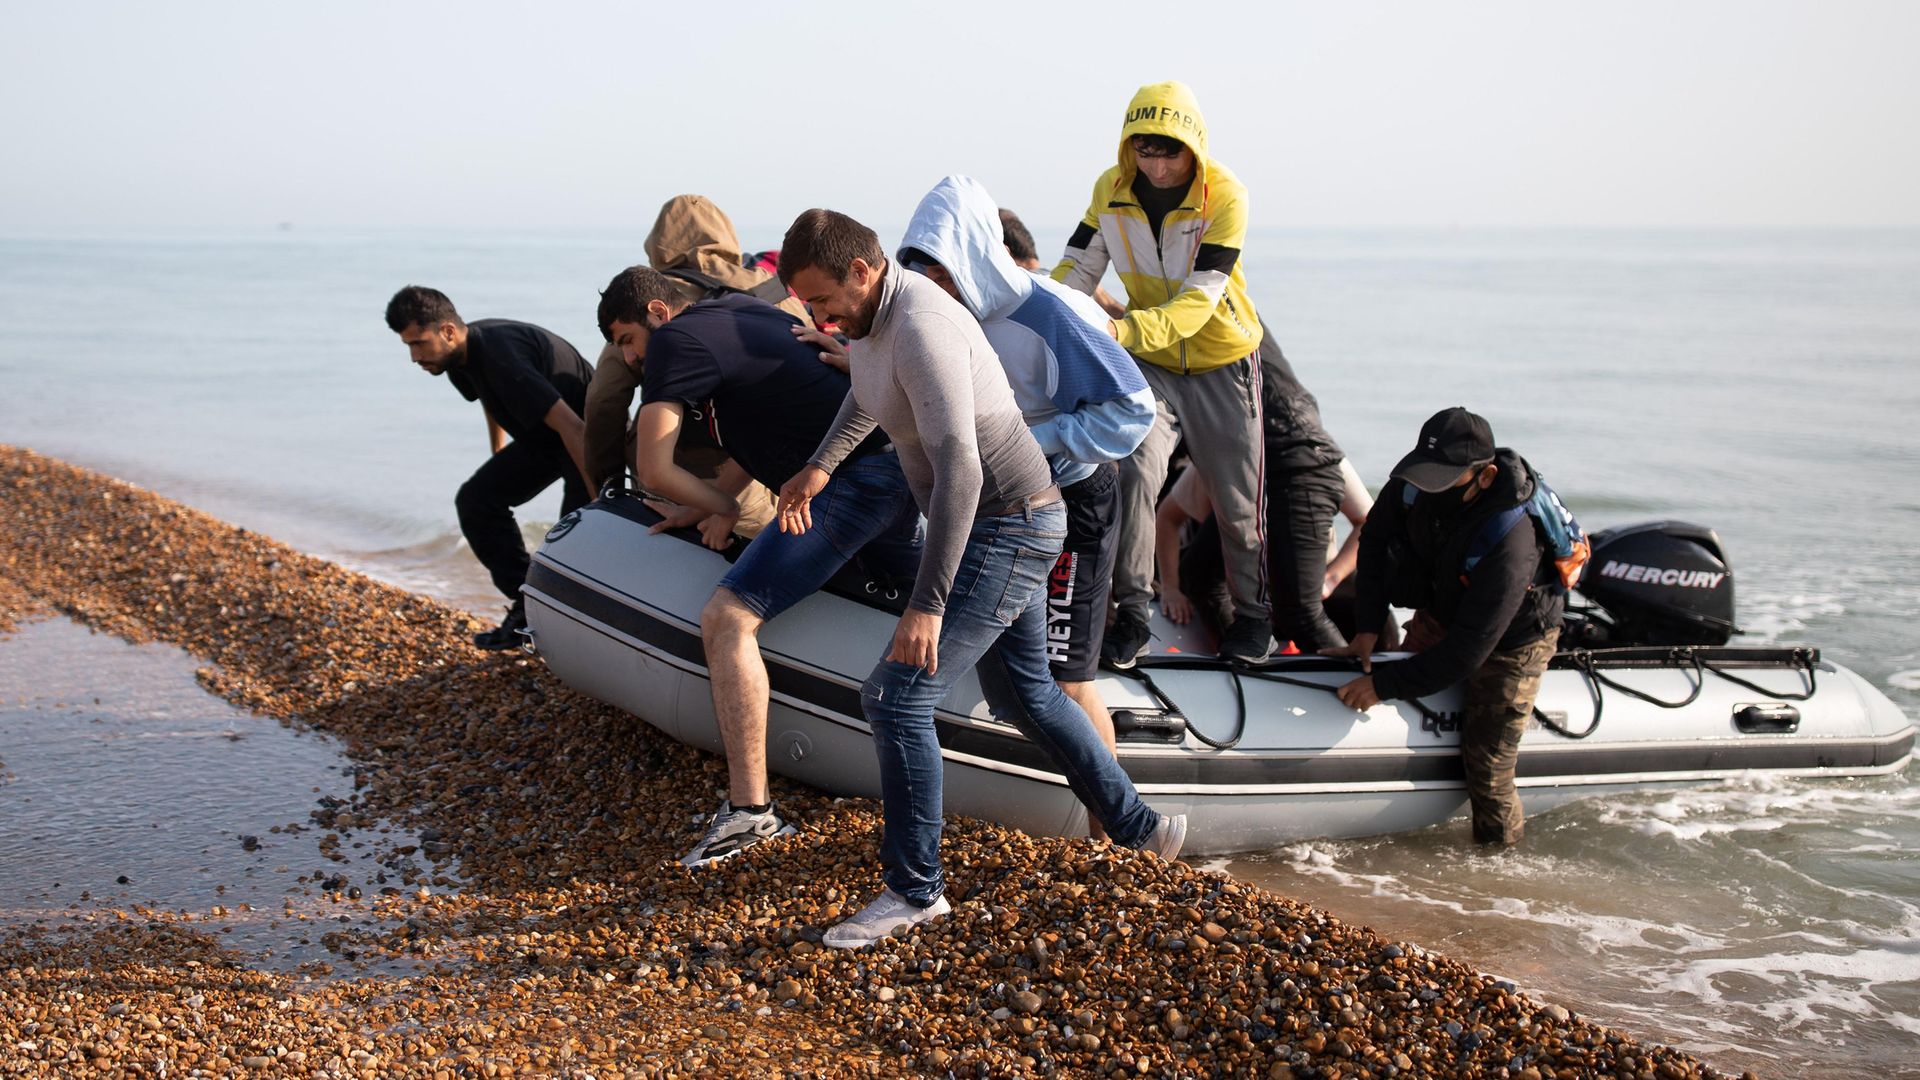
(1771,616)
(1216,865)
(1697,829)
(1820,996)
(1905,680)
(1764,802)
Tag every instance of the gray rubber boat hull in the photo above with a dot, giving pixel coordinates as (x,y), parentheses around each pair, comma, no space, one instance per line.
(614,612)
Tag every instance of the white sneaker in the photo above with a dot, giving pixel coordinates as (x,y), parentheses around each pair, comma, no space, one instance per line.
(887,913)
(734,831)
(1167,837)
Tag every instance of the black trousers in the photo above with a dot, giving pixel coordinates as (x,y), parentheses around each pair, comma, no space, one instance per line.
(513,477)
(1203,577)
(1300,508)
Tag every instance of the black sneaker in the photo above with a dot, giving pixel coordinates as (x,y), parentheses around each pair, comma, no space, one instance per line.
(1126,640)
(1247,641)
(507,634)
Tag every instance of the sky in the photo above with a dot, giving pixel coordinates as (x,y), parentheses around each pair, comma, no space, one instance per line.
(1670,113)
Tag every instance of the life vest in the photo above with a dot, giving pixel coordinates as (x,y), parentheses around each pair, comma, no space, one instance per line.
(1565,538)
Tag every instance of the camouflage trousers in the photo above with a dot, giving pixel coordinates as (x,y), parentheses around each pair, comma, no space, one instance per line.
(1499,702)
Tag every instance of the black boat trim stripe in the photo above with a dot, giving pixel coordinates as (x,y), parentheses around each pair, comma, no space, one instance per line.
(1244,768)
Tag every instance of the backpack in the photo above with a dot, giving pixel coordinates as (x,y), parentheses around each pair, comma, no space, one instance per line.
(1565,538)
(770,290)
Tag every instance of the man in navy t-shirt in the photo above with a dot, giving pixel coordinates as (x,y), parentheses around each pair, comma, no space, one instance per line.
(532,386)
(734,365)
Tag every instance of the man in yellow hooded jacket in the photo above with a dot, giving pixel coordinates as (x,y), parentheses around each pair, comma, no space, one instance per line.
(1171,220)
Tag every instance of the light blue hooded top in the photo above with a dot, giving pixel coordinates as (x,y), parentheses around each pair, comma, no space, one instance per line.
(1081,394)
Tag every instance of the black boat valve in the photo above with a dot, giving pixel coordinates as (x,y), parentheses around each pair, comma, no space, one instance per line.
(1773,717)
(1141,726)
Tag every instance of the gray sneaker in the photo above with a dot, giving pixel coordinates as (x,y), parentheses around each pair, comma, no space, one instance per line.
(1167,837)
(734,831)
(887,913)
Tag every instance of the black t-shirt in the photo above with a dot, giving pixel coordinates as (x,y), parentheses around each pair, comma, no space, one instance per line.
(518,370)
(1158,202)
(764,395)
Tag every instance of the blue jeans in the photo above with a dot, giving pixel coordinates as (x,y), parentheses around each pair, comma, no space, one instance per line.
(997,608)
(865,510)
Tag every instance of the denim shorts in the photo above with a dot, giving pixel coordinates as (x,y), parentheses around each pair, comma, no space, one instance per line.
(865,505)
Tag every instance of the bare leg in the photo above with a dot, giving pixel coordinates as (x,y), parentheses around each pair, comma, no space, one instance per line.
(1084,695)
(730,630)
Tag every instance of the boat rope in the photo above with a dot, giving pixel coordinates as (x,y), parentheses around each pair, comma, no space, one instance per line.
(1582,660)
(1599,705)
(1139,674)
(1237,672)
(1803,662)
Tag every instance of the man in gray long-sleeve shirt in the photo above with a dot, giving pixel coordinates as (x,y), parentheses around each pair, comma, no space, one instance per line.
(923,371)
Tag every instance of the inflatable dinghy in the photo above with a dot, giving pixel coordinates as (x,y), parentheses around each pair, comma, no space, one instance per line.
(1256,757)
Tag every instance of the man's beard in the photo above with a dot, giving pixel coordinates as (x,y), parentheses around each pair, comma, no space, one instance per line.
(860,323)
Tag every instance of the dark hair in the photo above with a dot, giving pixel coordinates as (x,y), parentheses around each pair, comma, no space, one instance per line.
(1158,145)
(830,241)
(911,255)
(417,305)
(1019,240)
(629,293)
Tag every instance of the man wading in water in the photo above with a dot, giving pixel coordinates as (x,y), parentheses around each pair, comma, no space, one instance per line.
(1450,537)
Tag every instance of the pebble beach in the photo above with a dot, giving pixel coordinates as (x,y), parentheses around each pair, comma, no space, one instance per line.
(527,915)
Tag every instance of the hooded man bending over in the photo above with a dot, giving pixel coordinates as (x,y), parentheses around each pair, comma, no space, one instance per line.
(1082,397)
(923,371)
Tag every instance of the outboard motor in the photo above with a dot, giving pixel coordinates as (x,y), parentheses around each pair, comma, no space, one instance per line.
(1661,583)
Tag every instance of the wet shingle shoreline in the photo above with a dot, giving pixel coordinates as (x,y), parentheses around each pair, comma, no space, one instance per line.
(558,936)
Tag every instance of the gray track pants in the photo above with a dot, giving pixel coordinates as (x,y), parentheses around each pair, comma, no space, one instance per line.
(1219,412)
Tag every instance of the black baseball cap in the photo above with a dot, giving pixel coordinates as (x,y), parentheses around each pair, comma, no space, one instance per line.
(1451,441)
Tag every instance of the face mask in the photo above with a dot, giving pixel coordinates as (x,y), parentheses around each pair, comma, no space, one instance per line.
(1450,501)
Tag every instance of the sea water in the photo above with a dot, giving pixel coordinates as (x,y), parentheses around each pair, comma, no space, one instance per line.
(1764,383)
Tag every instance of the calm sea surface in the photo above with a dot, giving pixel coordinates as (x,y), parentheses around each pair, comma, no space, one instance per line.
(1764,383)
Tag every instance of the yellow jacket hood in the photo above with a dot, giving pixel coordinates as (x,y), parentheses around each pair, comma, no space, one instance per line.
(1164,108)
(1187,305)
